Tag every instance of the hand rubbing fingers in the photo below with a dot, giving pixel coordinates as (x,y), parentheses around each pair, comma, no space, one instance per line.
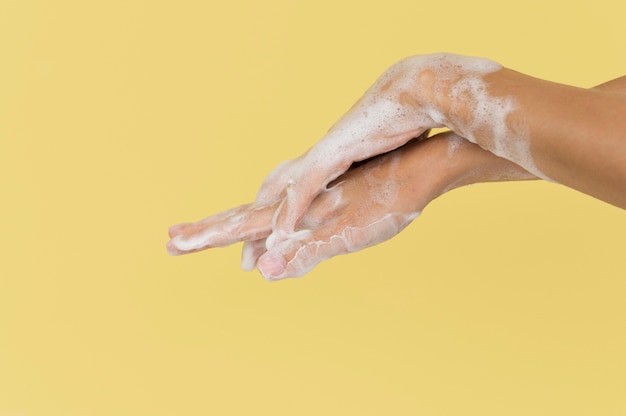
(271,190)
(302,191)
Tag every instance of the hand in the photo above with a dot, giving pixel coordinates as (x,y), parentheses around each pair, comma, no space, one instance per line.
(401,105)
(367,205)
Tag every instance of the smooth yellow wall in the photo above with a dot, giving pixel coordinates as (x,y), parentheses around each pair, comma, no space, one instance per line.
(119,118)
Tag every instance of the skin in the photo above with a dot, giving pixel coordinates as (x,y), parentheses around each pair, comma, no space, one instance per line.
(575,137)
(565,134)
(421,170)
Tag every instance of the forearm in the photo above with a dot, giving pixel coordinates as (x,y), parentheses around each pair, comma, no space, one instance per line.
(445,162)
(617,85)
(573,136)
(577,137)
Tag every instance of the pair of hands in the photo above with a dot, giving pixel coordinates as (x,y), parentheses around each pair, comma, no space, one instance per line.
(317,206)
(367,205)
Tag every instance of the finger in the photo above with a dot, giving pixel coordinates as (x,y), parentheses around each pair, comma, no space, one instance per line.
(251,252)
(188,228)
(244,224)
(305,249)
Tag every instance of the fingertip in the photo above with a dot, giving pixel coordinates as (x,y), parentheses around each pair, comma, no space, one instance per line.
(175,230)
(247,264)
(185,244)
(250,253)
(272,267)
(172,250)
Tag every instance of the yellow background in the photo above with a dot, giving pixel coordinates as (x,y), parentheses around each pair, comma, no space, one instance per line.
(119,118)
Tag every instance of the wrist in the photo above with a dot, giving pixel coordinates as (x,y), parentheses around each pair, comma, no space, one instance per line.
(428,167)
(449,87)
(446,161)
(478,99)
(472,164)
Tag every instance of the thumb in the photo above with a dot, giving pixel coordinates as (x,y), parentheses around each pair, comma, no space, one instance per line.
(298,254)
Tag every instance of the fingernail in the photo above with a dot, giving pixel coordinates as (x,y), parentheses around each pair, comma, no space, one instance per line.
(272,267)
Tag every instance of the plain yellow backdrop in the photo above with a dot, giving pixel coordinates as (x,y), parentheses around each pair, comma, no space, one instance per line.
(119,118)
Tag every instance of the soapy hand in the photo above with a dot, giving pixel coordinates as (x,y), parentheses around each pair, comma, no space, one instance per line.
(401,105)
(367,205)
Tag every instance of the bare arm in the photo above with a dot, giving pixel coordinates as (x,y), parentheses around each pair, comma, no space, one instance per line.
(574,136)
(617,85)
